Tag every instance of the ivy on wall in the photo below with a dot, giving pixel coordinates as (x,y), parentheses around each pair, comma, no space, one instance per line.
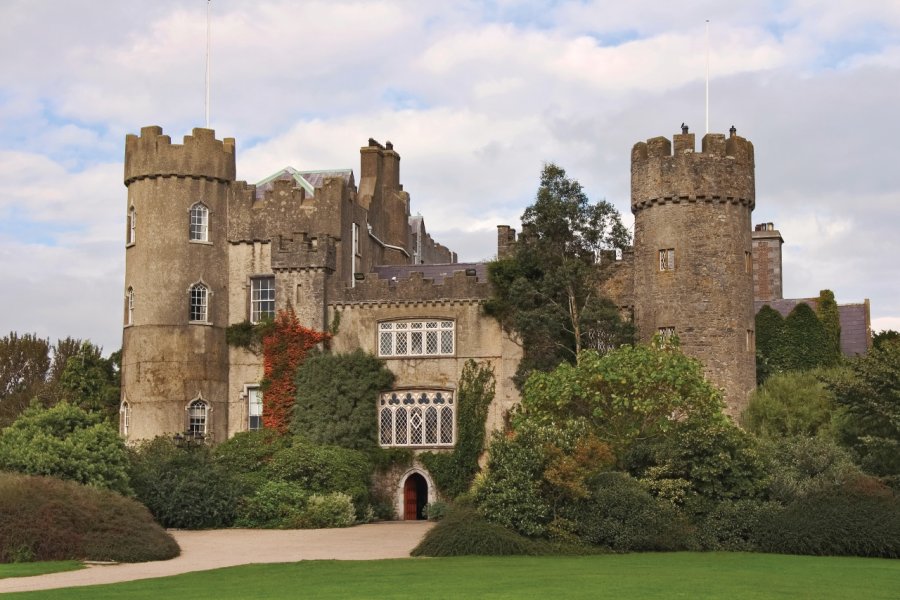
(285,347)
(454,471)
(799,342)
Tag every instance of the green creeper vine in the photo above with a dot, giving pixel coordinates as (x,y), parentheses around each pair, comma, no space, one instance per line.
(454,471)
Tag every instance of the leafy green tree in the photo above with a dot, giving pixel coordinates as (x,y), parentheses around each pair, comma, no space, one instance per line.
(791,404)
(827,311)
(336,398)
(91,381)
(869,394)
(628,395)
(885,336)
(68,442)
(23,370)
(547,290)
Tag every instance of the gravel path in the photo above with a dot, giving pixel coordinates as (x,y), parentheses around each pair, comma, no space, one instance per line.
(202,550)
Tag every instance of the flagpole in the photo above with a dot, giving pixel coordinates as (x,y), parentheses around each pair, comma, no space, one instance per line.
(707,76)
(207,62)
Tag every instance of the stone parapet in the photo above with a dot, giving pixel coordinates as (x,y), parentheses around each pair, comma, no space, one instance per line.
(153,154)
(459,286)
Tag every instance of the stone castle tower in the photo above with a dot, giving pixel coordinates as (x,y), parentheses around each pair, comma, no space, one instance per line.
(174,349)
(692,260)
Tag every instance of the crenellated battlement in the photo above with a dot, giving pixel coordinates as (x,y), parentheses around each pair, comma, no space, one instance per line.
(457,287)
(664,171)
(301,251)
(201,155)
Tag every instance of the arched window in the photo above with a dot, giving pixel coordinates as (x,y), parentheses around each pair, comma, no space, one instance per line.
(199,223)
(129,306)
(131,235)
(124,418)
(198,413)
(199,303)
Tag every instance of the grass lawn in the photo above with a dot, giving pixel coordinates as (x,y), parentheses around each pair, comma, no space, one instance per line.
(37,568)
(639,576)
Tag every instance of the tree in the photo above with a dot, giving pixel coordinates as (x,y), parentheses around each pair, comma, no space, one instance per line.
(791,404)
(68,442)
(336,398)
(870,397)
(885,336)
(631,394)
(91,381)
(547,290)
(23,370)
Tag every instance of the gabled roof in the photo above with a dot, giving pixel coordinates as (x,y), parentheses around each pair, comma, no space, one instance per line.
(308,180)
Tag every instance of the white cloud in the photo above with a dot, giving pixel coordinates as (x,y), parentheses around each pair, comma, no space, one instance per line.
(475,96)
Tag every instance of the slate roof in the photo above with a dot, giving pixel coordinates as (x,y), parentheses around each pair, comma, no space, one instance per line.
(854,321)
(437,273)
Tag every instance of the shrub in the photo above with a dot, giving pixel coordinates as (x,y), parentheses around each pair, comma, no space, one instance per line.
(42,518)
(324,469)
(800,466)
(66,442)
(328,510)
(247,456)
(790,404)
(275,505)
(620,514)
(734,525)
(435,511)
(335,395)
(182,485)
(718,460)
(843,521)
(536,471)
(464,532)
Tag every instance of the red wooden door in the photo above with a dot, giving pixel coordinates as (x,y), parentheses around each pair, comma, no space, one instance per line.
(409,499)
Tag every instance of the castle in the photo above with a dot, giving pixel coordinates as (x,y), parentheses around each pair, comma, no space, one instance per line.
(205,251)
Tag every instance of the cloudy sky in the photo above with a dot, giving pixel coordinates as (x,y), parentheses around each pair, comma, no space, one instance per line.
(475,96)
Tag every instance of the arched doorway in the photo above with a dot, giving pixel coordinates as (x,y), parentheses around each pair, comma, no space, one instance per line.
(415,497)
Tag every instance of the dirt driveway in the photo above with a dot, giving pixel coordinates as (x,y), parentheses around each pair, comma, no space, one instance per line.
(202,550)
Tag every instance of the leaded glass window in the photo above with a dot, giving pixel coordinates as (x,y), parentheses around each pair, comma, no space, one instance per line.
(416,338)
(416,418)
(197,418)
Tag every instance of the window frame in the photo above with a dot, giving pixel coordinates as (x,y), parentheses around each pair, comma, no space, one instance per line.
(129,306)
(403,342)
(255,313)
(204,306)
(408,423)
(198,232)
(666,260)
(201,420)
(249,392)
(131,235)
(124,418)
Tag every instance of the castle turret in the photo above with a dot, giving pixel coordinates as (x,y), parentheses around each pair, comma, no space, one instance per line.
(174,354)
(692,261)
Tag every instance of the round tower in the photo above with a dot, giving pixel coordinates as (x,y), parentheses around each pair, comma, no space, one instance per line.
(174,353)
(692,261)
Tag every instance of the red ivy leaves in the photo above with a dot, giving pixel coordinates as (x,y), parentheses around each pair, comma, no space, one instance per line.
(284,349)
